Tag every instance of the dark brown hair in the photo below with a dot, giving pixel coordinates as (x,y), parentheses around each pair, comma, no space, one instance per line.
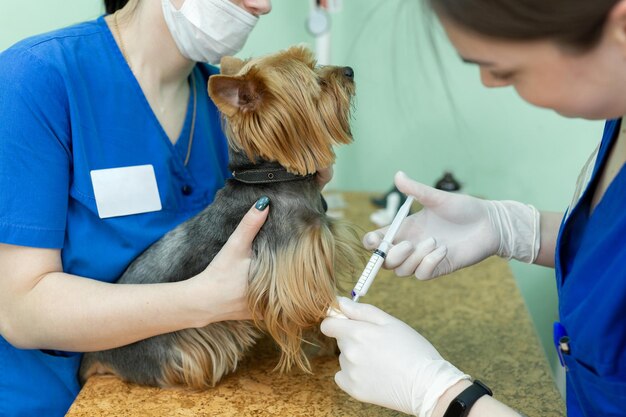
(573,23)
(111,6)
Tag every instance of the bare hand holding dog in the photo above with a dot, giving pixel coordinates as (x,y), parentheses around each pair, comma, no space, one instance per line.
(227,275)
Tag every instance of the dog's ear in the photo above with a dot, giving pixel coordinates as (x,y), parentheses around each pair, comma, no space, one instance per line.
(229,65)
(232,94)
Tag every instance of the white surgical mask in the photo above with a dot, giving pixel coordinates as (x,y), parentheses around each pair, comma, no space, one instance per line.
(207,30)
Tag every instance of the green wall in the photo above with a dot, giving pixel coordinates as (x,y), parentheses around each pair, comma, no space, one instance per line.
(412,113)
(23,18)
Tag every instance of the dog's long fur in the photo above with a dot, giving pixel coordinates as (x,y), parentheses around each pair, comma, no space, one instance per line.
(277,109)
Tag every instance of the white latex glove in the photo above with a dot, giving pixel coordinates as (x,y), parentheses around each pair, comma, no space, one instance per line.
(453,231)
(385,362)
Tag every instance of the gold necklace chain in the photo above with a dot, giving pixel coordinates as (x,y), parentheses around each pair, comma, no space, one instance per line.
(192,86)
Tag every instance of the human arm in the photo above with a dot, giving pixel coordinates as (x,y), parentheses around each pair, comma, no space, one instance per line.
(483,407)
(550,225)
(41,307)
(453,231)
(385,362)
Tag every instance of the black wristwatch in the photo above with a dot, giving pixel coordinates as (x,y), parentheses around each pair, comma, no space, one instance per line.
(461,405)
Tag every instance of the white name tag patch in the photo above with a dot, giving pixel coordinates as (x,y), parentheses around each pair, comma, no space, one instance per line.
(125,191)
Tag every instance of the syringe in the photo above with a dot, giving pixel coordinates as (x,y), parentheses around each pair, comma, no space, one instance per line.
(378,257)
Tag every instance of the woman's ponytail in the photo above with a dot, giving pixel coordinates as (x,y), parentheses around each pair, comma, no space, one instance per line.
(111,6)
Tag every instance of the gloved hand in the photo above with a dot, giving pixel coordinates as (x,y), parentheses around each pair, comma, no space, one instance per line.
(385,362)
(453,231)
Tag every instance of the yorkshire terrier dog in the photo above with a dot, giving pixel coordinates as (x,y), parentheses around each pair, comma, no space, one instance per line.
(282,116)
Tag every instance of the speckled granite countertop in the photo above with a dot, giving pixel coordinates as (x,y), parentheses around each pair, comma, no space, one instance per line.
(475,317)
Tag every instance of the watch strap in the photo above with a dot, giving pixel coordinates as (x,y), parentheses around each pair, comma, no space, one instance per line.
(461,405)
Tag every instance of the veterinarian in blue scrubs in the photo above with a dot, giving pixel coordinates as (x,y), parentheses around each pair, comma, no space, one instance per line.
(563,55)
(107,141)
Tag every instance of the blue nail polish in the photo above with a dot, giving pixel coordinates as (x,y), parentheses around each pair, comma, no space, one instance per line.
(262,203)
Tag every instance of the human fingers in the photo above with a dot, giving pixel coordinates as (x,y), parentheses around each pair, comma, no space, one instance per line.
(241,239)
(415,258)
(347,377)
(337,326)
(406,252)
(360,316)
(324,175)
(343,381)
(372,240)
(398,254)
(423,194)
(363,312)
(431,265)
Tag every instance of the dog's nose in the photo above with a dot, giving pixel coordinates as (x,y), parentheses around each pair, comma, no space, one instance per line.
(348,72)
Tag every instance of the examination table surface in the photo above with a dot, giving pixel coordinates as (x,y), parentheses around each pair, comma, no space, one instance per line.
(475,317)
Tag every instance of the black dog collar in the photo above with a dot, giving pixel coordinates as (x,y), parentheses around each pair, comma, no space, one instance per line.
(267,175)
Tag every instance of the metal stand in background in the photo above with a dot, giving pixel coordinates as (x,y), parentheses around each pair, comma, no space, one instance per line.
(318,25)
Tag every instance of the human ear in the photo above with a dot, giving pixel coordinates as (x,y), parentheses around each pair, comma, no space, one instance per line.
(616,22)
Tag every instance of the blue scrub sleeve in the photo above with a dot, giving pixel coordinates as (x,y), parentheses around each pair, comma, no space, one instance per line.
(35,151)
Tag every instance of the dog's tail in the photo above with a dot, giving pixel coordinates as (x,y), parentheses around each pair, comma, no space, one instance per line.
(293,284)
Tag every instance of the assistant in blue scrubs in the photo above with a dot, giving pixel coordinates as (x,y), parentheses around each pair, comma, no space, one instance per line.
(591,281)
(69,104)
(566,56)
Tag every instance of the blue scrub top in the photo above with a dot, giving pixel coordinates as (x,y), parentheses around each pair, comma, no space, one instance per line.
(70,104)
(591,281)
